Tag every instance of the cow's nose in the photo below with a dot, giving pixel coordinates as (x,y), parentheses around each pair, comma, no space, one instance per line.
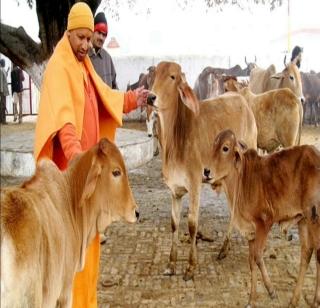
(206,172)
(137,214)
(151,99)
(149,135)
(302,100)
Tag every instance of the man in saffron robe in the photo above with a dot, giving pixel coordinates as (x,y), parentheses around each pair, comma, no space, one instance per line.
(77,109)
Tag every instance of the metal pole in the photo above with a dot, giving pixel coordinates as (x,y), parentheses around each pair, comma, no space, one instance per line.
(289,28)
(30,96)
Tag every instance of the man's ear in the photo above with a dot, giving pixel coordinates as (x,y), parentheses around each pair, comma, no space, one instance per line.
(187,96)
(91,181)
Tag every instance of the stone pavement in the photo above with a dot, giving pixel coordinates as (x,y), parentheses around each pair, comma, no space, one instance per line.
(17,151)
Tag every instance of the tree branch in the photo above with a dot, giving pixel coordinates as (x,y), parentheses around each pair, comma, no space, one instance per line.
(18,46)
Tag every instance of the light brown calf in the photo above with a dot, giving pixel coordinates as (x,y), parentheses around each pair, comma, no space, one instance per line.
(283,188)
(278,115)
(187,132)
(48,222)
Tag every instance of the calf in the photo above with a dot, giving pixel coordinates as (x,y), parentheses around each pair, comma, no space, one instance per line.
(283,188)
(48,222)
(278,115)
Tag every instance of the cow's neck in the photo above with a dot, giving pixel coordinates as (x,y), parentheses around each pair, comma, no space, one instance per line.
(177,127)
(76,176)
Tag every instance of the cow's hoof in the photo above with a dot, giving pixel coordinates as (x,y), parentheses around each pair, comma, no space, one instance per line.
(169,271)
(188,275)
(222,254)
(291,305)
(272,294)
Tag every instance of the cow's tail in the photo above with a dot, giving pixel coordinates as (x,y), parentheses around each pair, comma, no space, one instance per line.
(298,140)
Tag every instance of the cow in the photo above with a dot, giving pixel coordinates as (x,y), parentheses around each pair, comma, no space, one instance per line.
(283,187)
(311,91)
(186,131)
(231,84)
(278,115)
(210,81)
(264,80)
(146,80)
(208,84)
(47,223)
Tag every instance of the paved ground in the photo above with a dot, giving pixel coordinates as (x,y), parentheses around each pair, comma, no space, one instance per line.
(136,255)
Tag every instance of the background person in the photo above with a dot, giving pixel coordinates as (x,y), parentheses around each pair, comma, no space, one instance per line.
(77,109)
(4,92)
(297,53)
(17,79)
(100,58)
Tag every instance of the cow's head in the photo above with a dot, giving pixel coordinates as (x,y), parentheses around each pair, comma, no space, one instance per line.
(170,85)
(231,84)
(290,78)
(227,155)
(107,187)
(250,65)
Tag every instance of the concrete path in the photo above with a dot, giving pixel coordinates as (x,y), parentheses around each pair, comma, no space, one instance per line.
(17,151)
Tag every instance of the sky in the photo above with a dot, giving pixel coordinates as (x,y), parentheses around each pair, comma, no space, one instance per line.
(169,30)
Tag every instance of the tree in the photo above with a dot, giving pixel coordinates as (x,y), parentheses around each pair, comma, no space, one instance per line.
(32,57)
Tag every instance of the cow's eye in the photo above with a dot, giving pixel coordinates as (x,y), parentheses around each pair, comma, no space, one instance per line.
(225,149)
(291,77)
(172,77)
(116,172)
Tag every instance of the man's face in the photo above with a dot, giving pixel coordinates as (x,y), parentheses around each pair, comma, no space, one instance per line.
(98,39)
(80,41)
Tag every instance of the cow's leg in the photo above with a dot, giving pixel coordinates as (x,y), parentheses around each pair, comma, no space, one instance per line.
(253,270)
(306,253)
(316,302)
(193,228)
(261,238)
(256,248)
(175,221)
(226,243)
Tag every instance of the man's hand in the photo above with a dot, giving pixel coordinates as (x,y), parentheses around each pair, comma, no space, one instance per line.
(141,94)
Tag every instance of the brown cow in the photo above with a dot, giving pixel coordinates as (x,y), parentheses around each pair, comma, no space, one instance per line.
(278,115)
(187,128)
(283,188)
(264,80)
(47,223)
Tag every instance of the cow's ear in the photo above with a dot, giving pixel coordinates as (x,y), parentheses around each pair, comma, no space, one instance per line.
(243,146)
(237,157)
(277,76)
(91,181)
(188,97)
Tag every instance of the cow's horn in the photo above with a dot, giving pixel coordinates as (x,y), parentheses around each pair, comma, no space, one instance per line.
(285,60)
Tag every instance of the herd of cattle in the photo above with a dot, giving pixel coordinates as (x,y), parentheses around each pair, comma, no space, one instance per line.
(48,221)
(211,82)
